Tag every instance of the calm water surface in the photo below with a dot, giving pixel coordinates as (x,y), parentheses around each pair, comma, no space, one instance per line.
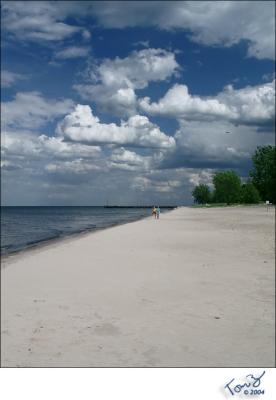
(23,227)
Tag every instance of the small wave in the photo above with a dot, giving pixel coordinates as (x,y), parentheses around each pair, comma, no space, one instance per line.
(34,227)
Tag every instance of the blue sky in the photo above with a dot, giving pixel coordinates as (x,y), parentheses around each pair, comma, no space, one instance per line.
(132,101)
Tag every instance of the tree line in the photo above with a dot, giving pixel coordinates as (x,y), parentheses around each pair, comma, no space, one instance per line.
(229,189)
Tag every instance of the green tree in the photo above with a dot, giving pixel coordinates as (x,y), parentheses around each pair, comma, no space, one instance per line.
(201,194)
(227,187)
(249,194)
(263,173)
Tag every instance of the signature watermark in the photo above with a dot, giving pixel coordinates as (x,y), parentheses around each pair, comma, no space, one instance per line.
(251,386)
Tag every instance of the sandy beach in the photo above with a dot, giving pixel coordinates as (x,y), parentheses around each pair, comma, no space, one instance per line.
(193,289)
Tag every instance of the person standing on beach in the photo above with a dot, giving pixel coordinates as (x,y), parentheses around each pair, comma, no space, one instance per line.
(154,212)
(157,212)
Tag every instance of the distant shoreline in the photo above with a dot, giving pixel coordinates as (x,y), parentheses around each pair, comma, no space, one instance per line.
(39,244)
(104,206)
(166,207)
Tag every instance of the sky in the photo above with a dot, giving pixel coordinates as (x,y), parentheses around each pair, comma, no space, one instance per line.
(132,102)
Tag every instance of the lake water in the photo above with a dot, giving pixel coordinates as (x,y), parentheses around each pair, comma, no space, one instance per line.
(23,227)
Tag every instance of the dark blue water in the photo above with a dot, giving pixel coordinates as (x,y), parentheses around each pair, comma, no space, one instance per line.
(23,227)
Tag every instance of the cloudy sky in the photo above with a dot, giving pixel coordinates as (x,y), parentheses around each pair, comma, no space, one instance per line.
(132,102)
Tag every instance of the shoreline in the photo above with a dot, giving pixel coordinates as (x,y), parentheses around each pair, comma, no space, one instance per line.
(193,289)
(75,235)
(44,243)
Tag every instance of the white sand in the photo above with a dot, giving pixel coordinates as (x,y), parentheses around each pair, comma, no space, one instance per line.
(147,294)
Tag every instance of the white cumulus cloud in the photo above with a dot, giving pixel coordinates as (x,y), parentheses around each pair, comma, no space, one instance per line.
(36,21)
(128,160)
(114,81)
(253,105)
(30,145)
(31,110)
(82,126)
(212,23)
(137,69)
(178,103)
